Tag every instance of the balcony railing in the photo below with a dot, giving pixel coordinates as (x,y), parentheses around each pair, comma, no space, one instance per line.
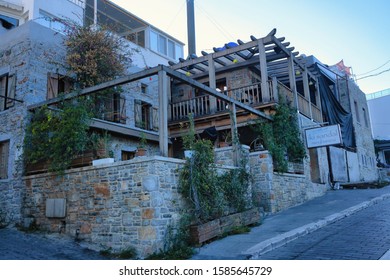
(250,95)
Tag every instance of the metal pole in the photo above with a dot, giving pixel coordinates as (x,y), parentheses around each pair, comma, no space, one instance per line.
(191,27)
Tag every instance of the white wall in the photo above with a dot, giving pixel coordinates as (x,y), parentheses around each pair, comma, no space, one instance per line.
(379,109)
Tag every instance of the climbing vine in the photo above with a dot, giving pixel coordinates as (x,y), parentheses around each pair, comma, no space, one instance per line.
(282,137)
(58,134)
(212,195)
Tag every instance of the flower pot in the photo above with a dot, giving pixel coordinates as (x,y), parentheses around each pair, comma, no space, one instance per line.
(102,161)
(140,152)
(189,153)
(223,144)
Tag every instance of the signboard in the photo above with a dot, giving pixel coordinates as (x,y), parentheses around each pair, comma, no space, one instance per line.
(323,136)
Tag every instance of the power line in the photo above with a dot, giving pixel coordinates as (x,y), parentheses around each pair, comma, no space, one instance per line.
(225,33)
(373,70)
(373,75)
(177,14)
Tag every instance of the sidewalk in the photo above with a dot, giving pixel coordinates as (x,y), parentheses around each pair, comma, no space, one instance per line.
(280,228)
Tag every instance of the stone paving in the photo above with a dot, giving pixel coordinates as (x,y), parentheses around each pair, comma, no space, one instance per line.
(361,236)
(18,245)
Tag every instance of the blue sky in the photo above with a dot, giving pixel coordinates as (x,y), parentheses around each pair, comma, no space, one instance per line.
(357,31)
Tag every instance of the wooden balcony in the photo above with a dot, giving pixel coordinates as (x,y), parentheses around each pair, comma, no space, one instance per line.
(251,95)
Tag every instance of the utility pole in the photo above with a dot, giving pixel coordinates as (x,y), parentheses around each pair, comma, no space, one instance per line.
(191,27)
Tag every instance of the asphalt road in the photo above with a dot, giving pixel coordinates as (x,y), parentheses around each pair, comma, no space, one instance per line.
(364,235)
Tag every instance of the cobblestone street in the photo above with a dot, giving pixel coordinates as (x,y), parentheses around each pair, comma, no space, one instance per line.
(362,236)
(18,245)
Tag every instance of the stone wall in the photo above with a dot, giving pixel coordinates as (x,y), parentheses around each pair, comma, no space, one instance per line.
(278,191)
(28,52)
(354,100)
(125,204)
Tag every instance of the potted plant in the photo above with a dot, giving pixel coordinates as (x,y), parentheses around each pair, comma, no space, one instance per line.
(141,150)
(100,146)
(227,139)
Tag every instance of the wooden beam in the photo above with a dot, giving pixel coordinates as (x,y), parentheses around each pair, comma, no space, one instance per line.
(122,129)
(99,87)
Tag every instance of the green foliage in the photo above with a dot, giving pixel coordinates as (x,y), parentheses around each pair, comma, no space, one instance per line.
(198,182)
(212,195)
(94,54)
(189,138)
(57,136)
(234,186)
(177,242)
(125,254)
(142,140)
(282,137)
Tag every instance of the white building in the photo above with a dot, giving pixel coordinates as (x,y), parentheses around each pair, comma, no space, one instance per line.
(378,105)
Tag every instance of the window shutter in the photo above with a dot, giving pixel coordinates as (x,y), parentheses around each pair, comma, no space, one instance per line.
(122,109)
(11,91)
(138,113)
(155,124)
(52,85)
(4,153)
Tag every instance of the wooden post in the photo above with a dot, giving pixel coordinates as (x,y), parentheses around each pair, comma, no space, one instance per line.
(163,92)
(212,84)
(318,98)
(275,92)
(263,72)
(291,75)
(234,132)
(306,90)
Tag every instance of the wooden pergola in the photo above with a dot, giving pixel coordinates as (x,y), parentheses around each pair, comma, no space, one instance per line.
(264,54)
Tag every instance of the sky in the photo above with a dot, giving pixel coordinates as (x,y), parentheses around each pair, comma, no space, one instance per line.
(356,31)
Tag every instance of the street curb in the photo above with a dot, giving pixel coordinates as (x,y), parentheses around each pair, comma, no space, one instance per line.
(282,239)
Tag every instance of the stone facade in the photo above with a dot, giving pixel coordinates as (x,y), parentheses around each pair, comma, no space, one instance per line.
(130,203)
(275,191)
(354,100)
(29,55)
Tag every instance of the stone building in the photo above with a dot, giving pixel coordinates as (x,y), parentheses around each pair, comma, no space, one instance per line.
(135,200)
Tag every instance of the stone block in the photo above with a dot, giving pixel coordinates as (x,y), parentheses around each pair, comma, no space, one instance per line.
(150,183)
(147,233)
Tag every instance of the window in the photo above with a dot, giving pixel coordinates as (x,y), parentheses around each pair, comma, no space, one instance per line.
(144,88)
(162,44)
(365,117)
(357,111)
(8,23)
(111,107)
(146,117)
(4,154)
(7,92)
(50,21)
(171,49)
(154,41)
(57,83)
(137,38)
(127,155)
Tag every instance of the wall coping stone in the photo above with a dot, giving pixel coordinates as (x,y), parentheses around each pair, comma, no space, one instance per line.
(136,160)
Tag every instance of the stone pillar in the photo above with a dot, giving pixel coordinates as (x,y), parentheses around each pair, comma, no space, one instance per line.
(261,168)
